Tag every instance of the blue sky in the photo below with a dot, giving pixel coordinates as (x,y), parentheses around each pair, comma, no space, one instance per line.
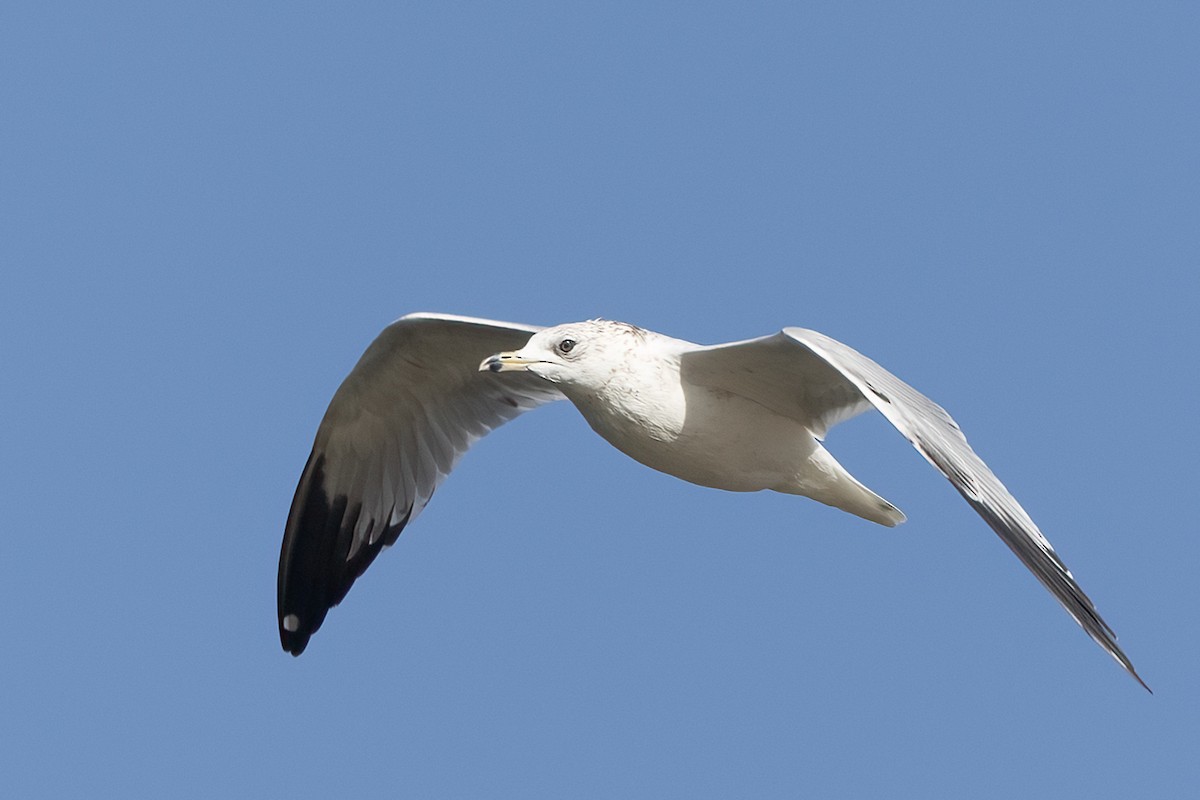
(208,213)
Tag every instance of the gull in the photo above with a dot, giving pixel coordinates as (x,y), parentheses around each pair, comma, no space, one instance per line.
(743,416)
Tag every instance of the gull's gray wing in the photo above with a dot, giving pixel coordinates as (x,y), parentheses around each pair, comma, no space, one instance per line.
(819,381)
(395,428)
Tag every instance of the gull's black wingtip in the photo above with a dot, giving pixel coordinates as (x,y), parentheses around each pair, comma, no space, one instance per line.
(315,566)
(1138,678)
(306,559)
(293,643)
(291,637)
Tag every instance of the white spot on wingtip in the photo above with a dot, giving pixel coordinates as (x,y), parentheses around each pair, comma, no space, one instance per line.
(291,623)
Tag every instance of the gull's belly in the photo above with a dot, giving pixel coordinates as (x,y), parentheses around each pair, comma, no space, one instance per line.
(707,437)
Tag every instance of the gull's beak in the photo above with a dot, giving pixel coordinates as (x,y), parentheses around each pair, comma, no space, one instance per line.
(506,362)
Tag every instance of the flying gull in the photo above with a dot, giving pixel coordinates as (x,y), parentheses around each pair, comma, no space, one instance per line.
(743,416)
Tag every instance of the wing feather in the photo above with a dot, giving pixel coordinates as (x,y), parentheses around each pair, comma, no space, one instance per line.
(784,379)
(820,381)
(396,427)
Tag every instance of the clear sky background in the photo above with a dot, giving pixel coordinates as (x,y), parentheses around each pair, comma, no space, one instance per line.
(206,214)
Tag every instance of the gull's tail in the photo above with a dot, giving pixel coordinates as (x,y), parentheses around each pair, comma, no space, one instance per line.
(823,479)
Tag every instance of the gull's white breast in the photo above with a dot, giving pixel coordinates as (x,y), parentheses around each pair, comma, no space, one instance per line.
(703,435)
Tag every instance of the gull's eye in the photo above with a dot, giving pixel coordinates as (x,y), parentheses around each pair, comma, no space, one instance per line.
(566,346)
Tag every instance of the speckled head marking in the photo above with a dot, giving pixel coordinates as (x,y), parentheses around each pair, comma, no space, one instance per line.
(617,326)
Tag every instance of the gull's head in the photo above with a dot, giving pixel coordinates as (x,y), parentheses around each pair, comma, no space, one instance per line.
(578,354)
